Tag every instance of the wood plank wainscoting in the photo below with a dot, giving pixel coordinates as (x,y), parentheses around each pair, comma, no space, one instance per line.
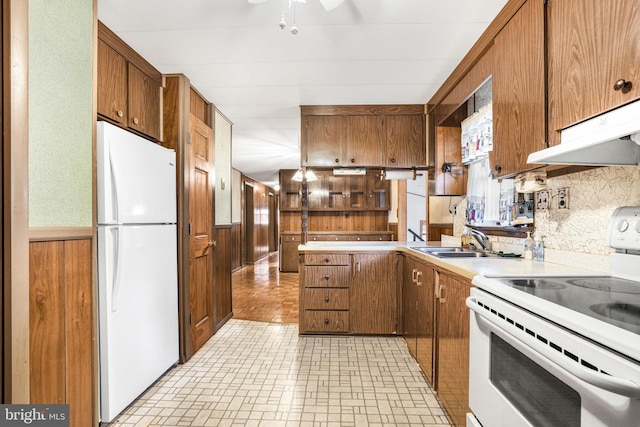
(236,246)
(222,310)
(61,322)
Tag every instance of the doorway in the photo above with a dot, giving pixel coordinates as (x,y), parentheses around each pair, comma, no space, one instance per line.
(249,223)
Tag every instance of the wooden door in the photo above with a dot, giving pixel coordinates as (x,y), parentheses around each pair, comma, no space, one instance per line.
(452,377)
(518,86)
(144,103)
(406,144)
(424,329)
(409,303)
(112,84)
(592,45)
(201,236)
(321,141)
(373,294)
(363,144)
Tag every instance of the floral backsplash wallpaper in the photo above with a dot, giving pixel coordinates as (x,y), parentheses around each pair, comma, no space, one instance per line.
(593,196)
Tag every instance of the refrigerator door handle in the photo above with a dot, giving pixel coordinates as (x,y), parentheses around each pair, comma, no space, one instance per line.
(117,267)
(113,169)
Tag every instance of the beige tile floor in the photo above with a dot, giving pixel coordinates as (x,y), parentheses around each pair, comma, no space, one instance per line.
(263,374)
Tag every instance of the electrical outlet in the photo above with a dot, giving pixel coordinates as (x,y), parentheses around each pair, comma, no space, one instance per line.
(563,198)
(542,200)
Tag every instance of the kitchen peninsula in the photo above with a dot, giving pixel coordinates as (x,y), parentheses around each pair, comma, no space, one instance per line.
(390,288)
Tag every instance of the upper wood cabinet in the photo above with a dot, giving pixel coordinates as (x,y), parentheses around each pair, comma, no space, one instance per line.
(453,182)
(363,136)
(593,45)
(518,82)
(129,88)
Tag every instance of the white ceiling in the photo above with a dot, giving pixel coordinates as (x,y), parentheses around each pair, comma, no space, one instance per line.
(237,57)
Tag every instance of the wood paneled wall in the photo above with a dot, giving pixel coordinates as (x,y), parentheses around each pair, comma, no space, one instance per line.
(257,227)
(222,298)
(61,327)
(236,246)
(336,221)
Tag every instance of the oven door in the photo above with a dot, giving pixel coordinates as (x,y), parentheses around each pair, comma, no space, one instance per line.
(526,371)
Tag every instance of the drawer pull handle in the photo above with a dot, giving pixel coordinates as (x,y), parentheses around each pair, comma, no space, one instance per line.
(326,321)
(623,86)
(326,260)
(120,113)
(326,277)
(326,299)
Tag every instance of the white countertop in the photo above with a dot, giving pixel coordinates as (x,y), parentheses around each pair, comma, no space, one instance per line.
(467,267)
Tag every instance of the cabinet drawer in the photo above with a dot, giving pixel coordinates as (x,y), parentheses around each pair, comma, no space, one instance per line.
(326,321)
(318,276)
(326,299)
(290,238)
(326,259)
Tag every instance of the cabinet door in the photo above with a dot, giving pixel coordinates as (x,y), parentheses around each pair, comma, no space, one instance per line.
(592,45)
(425,297)
(448,144)
(373,294)
(289,252)
(112,83)
(410,303)
(316,193)
(378,191)
(144,103)
(321,141)
(405,137)
(519,90)
(337,192)
(290,192)
(356,198)
(452,375)
(364,141)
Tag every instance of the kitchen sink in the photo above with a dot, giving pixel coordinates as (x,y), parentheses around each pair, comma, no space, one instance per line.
(454,252)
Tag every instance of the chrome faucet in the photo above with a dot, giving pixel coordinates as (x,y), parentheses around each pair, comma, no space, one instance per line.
(482,238)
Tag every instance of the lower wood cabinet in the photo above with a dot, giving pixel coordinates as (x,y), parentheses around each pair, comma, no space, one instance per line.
(452,356)
(349,293)
(436,330)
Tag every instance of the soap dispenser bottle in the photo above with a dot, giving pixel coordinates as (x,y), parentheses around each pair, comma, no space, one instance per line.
(528,246)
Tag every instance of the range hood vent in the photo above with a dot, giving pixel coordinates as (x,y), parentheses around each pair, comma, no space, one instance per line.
(610,139)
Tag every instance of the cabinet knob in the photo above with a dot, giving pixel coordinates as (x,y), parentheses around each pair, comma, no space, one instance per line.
(622,85)
(393,160)
(353,160)
(337,160)
(135,120)
(326,260)
(120,113)
(326,299)
(326,321)
(498,168)
(326,277)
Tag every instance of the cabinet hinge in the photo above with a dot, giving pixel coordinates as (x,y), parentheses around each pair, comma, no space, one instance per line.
(190,318)
(190,229)
(190,138)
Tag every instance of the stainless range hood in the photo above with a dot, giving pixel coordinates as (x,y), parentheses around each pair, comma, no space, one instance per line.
(610,139)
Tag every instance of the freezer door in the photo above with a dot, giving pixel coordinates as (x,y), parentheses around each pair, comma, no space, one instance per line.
(138,311)
(136,178)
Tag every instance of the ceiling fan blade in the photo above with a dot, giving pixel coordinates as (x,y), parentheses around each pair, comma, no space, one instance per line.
(331,4)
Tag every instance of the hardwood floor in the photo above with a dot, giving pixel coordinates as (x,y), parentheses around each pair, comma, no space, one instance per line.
(261,292)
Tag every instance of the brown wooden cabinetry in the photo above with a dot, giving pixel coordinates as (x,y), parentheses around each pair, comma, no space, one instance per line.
(374,294)
(452,331)
(418,313)
(450,180)
(519,90)
(592,45)
(129,88)
(324,298)
(348,293)
(363,135)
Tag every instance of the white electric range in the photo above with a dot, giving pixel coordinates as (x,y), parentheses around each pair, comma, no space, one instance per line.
(549,351)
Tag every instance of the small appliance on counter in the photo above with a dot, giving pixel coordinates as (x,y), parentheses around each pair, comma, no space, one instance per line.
(551,351)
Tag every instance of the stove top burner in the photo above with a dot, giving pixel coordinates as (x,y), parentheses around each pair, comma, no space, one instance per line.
(607,284)
(536,284)
(626,313)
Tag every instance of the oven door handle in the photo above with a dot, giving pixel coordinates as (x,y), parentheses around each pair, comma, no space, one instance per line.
(621,386)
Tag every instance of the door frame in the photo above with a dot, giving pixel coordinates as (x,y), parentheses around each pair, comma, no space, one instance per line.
(15,203)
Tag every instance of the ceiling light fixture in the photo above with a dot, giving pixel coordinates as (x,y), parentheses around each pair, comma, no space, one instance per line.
(308,175)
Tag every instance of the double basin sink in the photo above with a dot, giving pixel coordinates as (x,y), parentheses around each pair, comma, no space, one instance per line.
(453,252)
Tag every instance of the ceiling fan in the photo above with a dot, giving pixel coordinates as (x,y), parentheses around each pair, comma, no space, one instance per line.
(327,4)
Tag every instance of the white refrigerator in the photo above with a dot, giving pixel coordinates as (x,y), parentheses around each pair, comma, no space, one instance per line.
(137,265)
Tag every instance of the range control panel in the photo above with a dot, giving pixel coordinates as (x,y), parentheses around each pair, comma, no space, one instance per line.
(624,228)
